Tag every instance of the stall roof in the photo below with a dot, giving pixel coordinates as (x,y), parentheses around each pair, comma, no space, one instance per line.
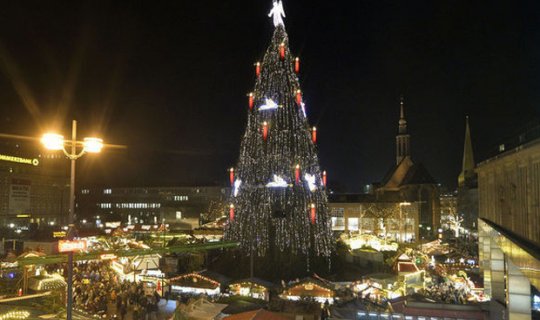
(255,280)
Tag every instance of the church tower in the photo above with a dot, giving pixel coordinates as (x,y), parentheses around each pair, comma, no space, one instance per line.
(467,197)
(403,148)
(467,175)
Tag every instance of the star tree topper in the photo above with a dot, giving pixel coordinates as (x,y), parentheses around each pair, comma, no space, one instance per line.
(278,13)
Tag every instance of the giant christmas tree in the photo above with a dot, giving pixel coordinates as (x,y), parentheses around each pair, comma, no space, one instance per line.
(278,200)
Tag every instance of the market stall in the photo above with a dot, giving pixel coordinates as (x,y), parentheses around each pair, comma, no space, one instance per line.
(198,283)
(252,287)
(46,282)
(310,288)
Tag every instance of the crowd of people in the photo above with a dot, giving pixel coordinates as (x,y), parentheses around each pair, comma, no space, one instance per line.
(98,290)
(447,292)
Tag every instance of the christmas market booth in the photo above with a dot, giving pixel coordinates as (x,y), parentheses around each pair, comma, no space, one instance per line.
(252,287)
(409,273)
(204,282)
(130,269)
(310,288)
(46,282)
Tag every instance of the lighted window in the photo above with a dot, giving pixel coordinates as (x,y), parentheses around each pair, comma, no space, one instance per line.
(178,215)
(353,224)
(338,223)
(107,191)
(85,191)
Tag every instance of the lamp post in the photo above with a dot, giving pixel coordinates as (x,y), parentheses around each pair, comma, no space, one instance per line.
(53,141)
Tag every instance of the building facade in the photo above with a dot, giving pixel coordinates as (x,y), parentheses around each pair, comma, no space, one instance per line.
(181,207)
(448,202)
(34,187)
(365,214)
(509,227)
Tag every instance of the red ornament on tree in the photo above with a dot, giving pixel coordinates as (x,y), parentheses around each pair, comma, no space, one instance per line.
(298,97)
(257,69)
(251,100)
(313,214)
(231,176)
(265,130)
(231,212)
(282,51)
(297,173)
(297,65)
(324,178)
(314,135)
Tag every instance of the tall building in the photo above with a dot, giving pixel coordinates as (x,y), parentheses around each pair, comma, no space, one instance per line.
(448,209)
(34,187)
(181,207)
(467,200)
(509,225)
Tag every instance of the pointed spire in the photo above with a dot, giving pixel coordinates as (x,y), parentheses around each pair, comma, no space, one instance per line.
(402,139)
(467,170)
(401,113)
(402,121)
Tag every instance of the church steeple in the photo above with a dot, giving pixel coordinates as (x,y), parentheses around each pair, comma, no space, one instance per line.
(467,169)
(402,139)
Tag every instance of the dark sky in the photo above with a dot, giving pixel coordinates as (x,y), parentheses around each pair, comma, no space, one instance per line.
(169,79)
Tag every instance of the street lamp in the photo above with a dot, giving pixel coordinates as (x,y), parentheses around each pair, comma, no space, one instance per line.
(73,150)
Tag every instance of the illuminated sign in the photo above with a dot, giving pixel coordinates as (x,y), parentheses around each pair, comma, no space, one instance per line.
(23,216)
(108,256)
(71,245)
(59,234)
(34,162)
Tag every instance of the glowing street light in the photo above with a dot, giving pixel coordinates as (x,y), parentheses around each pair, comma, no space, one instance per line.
(92,145)
(53,141)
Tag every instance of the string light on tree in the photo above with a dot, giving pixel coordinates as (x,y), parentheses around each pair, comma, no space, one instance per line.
(324,178)
(314,134)
(297,65)
(280,174)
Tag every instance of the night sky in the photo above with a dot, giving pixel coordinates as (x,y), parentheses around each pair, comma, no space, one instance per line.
(169,80)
